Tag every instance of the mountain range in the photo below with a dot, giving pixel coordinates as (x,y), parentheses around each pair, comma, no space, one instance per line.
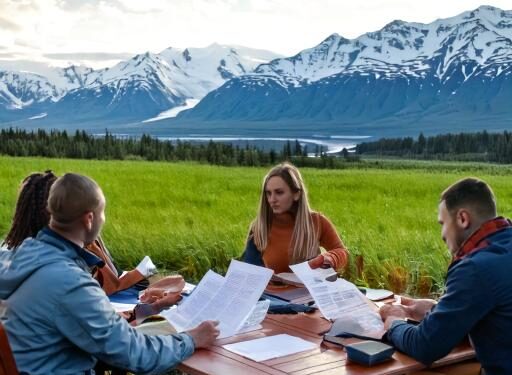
(452,74)
(133,90)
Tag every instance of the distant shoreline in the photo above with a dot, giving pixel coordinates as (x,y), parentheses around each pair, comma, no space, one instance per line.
(333,144)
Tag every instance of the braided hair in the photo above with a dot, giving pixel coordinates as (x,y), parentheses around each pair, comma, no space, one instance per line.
(31,214)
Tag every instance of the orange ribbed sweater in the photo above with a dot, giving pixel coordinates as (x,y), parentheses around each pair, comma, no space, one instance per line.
(276,255)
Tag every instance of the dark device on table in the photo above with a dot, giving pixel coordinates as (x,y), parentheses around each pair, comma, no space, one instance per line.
(369,353)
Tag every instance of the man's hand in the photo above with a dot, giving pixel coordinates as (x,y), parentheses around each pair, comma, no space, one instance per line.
(165,292)
(417,308)
(160,300)
(389,313)
(205,333)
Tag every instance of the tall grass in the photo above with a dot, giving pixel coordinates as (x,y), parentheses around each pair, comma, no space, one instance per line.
(190,217)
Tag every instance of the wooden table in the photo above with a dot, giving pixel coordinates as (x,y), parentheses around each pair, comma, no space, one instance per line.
(320,361)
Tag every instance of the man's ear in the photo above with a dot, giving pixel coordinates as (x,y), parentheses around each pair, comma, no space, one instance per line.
(88,219)
(463,219)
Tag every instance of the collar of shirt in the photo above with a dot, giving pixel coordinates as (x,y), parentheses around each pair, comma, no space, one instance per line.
(90,259)
(477,241)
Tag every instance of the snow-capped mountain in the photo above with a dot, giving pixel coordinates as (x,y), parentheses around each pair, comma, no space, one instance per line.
(451,74)
(136,89)
(452,65)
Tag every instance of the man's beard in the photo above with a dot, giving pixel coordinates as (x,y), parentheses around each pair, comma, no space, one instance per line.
(93,234)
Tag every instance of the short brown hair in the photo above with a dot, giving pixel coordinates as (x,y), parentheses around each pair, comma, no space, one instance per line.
(471,193)
(71,196)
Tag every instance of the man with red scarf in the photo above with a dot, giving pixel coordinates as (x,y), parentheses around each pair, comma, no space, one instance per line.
(478,298)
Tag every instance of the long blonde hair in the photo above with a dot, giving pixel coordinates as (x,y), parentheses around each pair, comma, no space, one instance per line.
(304,243)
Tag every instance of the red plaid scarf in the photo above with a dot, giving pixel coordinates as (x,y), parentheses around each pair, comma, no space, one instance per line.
(477,240)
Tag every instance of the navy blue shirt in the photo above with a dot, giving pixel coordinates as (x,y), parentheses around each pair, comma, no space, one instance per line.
(478,302)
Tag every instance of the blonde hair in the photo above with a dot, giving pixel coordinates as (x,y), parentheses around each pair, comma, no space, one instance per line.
(71,196)
(304,243)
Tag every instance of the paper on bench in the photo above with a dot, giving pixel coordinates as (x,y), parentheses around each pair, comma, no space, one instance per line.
(270,347)
(340,299)
(146,267)
(228,299)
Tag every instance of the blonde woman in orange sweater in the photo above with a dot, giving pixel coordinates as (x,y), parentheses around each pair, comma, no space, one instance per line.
(286,231)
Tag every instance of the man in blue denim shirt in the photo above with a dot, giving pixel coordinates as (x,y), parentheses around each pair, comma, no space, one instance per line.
(58,319)
(478,298)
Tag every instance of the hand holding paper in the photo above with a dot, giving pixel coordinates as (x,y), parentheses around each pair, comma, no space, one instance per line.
(205,334)
(321,261)
(340,299)
(146,267)
(229,299)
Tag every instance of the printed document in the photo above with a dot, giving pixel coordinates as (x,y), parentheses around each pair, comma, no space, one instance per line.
(270,347)
(229,299)
(340,299)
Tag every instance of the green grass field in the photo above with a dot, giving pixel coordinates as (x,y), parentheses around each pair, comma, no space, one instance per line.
(191,217)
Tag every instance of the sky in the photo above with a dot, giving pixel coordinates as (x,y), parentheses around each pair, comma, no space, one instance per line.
(99,33)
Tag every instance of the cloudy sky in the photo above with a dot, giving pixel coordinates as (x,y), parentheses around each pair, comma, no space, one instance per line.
(100,32)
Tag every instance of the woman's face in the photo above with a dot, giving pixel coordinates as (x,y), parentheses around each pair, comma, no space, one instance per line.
(279,195)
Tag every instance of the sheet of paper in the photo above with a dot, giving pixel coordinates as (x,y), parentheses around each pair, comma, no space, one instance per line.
(188,288)
(288,278)
(270,347)
(122,306)
(256,315)
(340,299)
(146,267)
(229,300)
(378,294)
(190,309)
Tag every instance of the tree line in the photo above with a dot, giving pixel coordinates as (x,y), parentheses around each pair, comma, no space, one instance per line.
(480,146)
(81,145)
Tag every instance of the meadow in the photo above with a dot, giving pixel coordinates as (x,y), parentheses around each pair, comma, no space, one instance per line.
(192,217)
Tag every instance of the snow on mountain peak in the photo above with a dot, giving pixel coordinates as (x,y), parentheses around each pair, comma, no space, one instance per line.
(403,48)
(179,74)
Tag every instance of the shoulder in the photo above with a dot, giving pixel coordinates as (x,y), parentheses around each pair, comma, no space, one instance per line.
(65,274)
(494,257)
(321,220)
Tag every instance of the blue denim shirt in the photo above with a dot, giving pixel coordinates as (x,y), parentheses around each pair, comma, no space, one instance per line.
(59,320)
(478,302)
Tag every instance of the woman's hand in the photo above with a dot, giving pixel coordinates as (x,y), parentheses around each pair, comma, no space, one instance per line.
(321,261)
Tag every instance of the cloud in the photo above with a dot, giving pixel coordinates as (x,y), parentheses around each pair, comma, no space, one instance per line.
(73,5)
(124,6)
(7,55)
(9,25)
(94,56)
(131,9)
(25,43)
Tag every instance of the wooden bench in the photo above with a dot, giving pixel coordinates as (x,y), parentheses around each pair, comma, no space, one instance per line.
(7,363)
(324,360)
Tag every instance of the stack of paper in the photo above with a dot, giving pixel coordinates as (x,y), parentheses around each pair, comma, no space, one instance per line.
(270,347)
(230,299)
(340,300)
(288,278)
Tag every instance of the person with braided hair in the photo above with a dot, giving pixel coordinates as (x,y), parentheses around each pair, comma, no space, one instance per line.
(31,215)
(58,320)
